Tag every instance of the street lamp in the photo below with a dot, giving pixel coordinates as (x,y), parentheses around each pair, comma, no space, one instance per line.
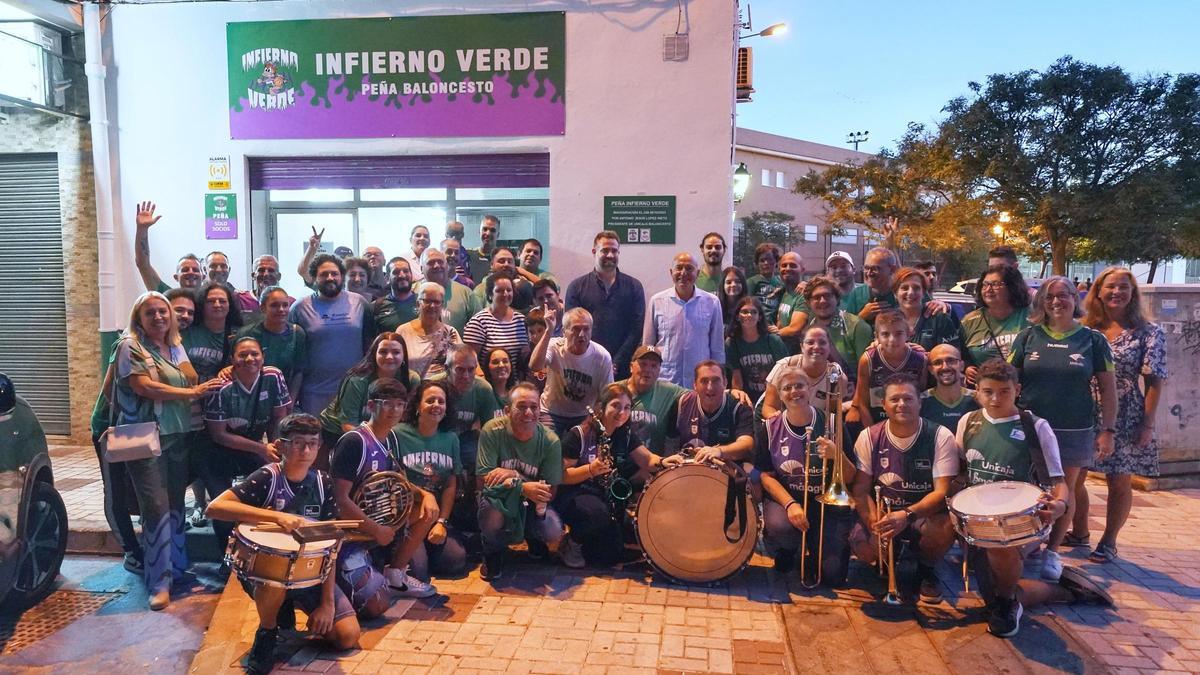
(998,229)
(741,182)
(774,29)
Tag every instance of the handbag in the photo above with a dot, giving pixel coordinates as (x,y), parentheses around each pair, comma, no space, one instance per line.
(127,442)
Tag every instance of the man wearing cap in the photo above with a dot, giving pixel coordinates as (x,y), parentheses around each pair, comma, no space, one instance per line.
(839,267)
(577,369)
(712,250)
(615,300)
(652,398)
(685,323)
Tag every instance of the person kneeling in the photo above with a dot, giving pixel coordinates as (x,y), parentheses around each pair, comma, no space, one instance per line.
(598,485)
(290,493)
(792,453)
(1003,442)
(358,456)
(910,461)
(519,463)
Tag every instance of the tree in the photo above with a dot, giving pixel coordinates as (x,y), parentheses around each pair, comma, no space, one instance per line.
(759,227)
(1069,149)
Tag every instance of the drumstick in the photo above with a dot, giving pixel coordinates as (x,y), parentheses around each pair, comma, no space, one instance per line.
(340,524)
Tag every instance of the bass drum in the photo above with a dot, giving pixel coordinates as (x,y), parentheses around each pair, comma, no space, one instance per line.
(696,522)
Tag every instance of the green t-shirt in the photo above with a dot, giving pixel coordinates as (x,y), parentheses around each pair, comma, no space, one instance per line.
(1056,373)
(995,451)
(766,291)
(136,358)
(754,360)
(391,314)
(287,351)
(476,404)
(710,284)
(985,337)
(539,458)
(862,294)
(206,350)
(428,461)
(651,410)
(935,330)
(851,336)
(350,404)
(946,414)
(791,303)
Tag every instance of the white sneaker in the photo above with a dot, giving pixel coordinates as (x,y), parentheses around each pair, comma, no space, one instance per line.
(1051,566)
(407,586)
(571,553)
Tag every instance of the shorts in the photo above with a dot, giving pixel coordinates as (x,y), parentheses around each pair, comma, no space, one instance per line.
(309,599)
(1077,447)
(358,577)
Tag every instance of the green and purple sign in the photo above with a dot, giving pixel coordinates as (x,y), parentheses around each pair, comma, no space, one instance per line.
(428,76)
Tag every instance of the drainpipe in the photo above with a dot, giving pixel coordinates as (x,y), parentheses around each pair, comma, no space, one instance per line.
(93,34)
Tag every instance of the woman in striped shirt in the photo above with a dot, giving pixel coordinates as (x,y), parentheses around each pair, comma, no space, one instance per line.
(499,325)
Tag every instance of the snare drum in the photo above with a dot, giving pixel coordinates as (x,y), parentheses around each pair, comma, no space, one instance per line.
(998,515)
(276,558)
(680,523)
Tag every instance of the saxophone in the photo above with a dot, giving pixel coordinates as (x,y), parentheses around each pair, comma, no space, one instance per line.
(616,487)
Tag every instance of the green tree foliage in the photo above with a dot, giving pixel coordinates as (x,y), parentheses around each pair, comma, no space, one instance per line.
(759,227)
(1081,151)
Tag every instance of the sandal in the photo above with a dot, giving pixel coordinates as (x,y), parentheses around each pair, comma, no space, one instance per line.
(1104,553)
(1072,540)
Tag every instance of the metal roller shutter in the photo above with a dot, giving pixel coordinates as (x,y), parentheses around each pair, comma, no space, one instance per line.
(400,171)
(33,317)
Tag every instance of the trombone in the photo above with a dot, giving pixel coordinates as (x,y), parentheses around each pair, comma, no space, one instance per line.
(892,597)
(836,493)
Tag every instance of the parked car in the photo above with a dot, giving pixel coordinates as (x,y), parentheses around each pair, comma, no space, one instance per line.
(33,519)
(960,303)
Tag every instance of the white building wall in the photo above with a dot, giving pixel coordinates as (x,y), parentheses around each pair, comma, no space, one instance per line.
(634,123)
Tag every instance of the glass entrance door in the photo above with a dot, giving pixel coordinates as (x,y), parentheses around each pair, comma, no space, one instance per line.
(292,231)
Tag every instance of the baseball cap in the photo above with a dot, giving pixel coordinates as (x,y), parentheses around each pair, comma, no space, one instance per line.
(647,350)
(839,254)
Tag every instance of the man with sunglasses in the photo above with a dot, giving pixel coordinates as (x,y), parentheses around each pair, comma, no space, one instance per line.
(948,400)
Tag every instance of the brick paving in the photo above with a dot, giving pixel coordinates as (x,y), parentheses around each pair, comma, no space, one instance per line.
(547,619)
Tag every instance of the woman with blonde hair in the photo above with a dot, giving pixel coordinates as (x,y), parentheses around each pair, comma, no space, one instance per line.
(153,381)
(1113,306)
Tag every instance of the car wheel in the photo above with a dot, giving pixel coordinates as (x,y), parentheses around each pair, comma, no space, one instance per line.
(45,546)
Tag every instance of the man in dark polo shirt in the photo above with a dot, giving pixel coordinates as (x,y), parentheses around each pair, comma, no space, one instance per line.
(615,299)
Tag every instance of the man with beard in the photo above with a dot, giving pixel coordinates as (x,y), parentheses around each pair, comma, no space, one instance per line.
(615,300)
(339,327)
(790,319)
(400,305)
(419,240)
(687,326)
(947,401)
(849,334)
(712,250)
(839,267)
(578,369)
(459,304)
(479,260)
(503,261)
(188,272)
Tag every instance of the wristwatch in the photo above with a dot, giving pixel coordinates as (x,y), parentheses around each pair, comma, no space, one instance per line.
(1111,430)
(909,516)
(441,521)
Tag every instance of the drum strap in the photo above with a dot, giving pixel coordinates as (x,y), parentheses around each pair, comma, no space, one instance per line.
(735,501)
(1040,470)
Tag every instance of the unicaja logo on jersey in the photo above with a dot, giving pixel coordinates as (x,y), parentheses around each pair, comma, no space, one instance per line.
(271,71)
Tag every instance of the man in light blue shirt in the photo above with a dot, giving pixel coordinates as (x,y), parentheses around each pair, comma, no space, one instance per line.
(685,323)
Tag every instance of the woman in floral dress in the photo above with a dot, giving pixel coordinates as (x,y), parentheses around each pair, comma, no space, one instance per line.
(1114,307)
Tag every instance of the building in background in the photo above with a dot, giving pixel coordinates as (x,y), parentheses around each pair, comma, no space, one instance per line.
(775,162)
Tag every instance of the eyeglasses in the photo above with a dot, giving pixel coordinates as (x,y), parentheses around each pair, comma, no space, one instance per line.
(792,386)
(302,444)
(391,403)
(431,303)
(993,284)
(1059,297)
(947,361)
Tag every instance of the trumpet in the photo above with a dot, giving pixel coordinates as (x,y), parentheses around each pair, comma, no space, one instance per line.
(892,597)
(836,494)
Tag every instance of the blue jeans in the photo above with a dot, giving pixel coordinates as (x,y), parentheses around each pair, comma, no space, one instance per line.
(547,528)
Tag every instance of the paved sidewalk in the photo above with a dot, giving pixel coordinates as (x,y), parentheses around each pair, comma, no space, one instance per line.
(549,619)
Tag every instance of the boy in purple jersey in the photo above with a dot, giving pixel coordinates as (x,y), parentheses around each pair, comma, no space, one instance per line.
(370,448)
(891,355)
(289,494)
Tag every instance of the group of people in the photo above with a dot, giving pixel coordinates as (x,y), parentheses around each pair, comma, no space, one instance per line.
(513,406)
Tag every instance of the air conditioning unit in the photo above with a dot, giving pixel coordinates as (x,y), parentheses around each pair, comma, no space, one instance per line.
(745,74)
